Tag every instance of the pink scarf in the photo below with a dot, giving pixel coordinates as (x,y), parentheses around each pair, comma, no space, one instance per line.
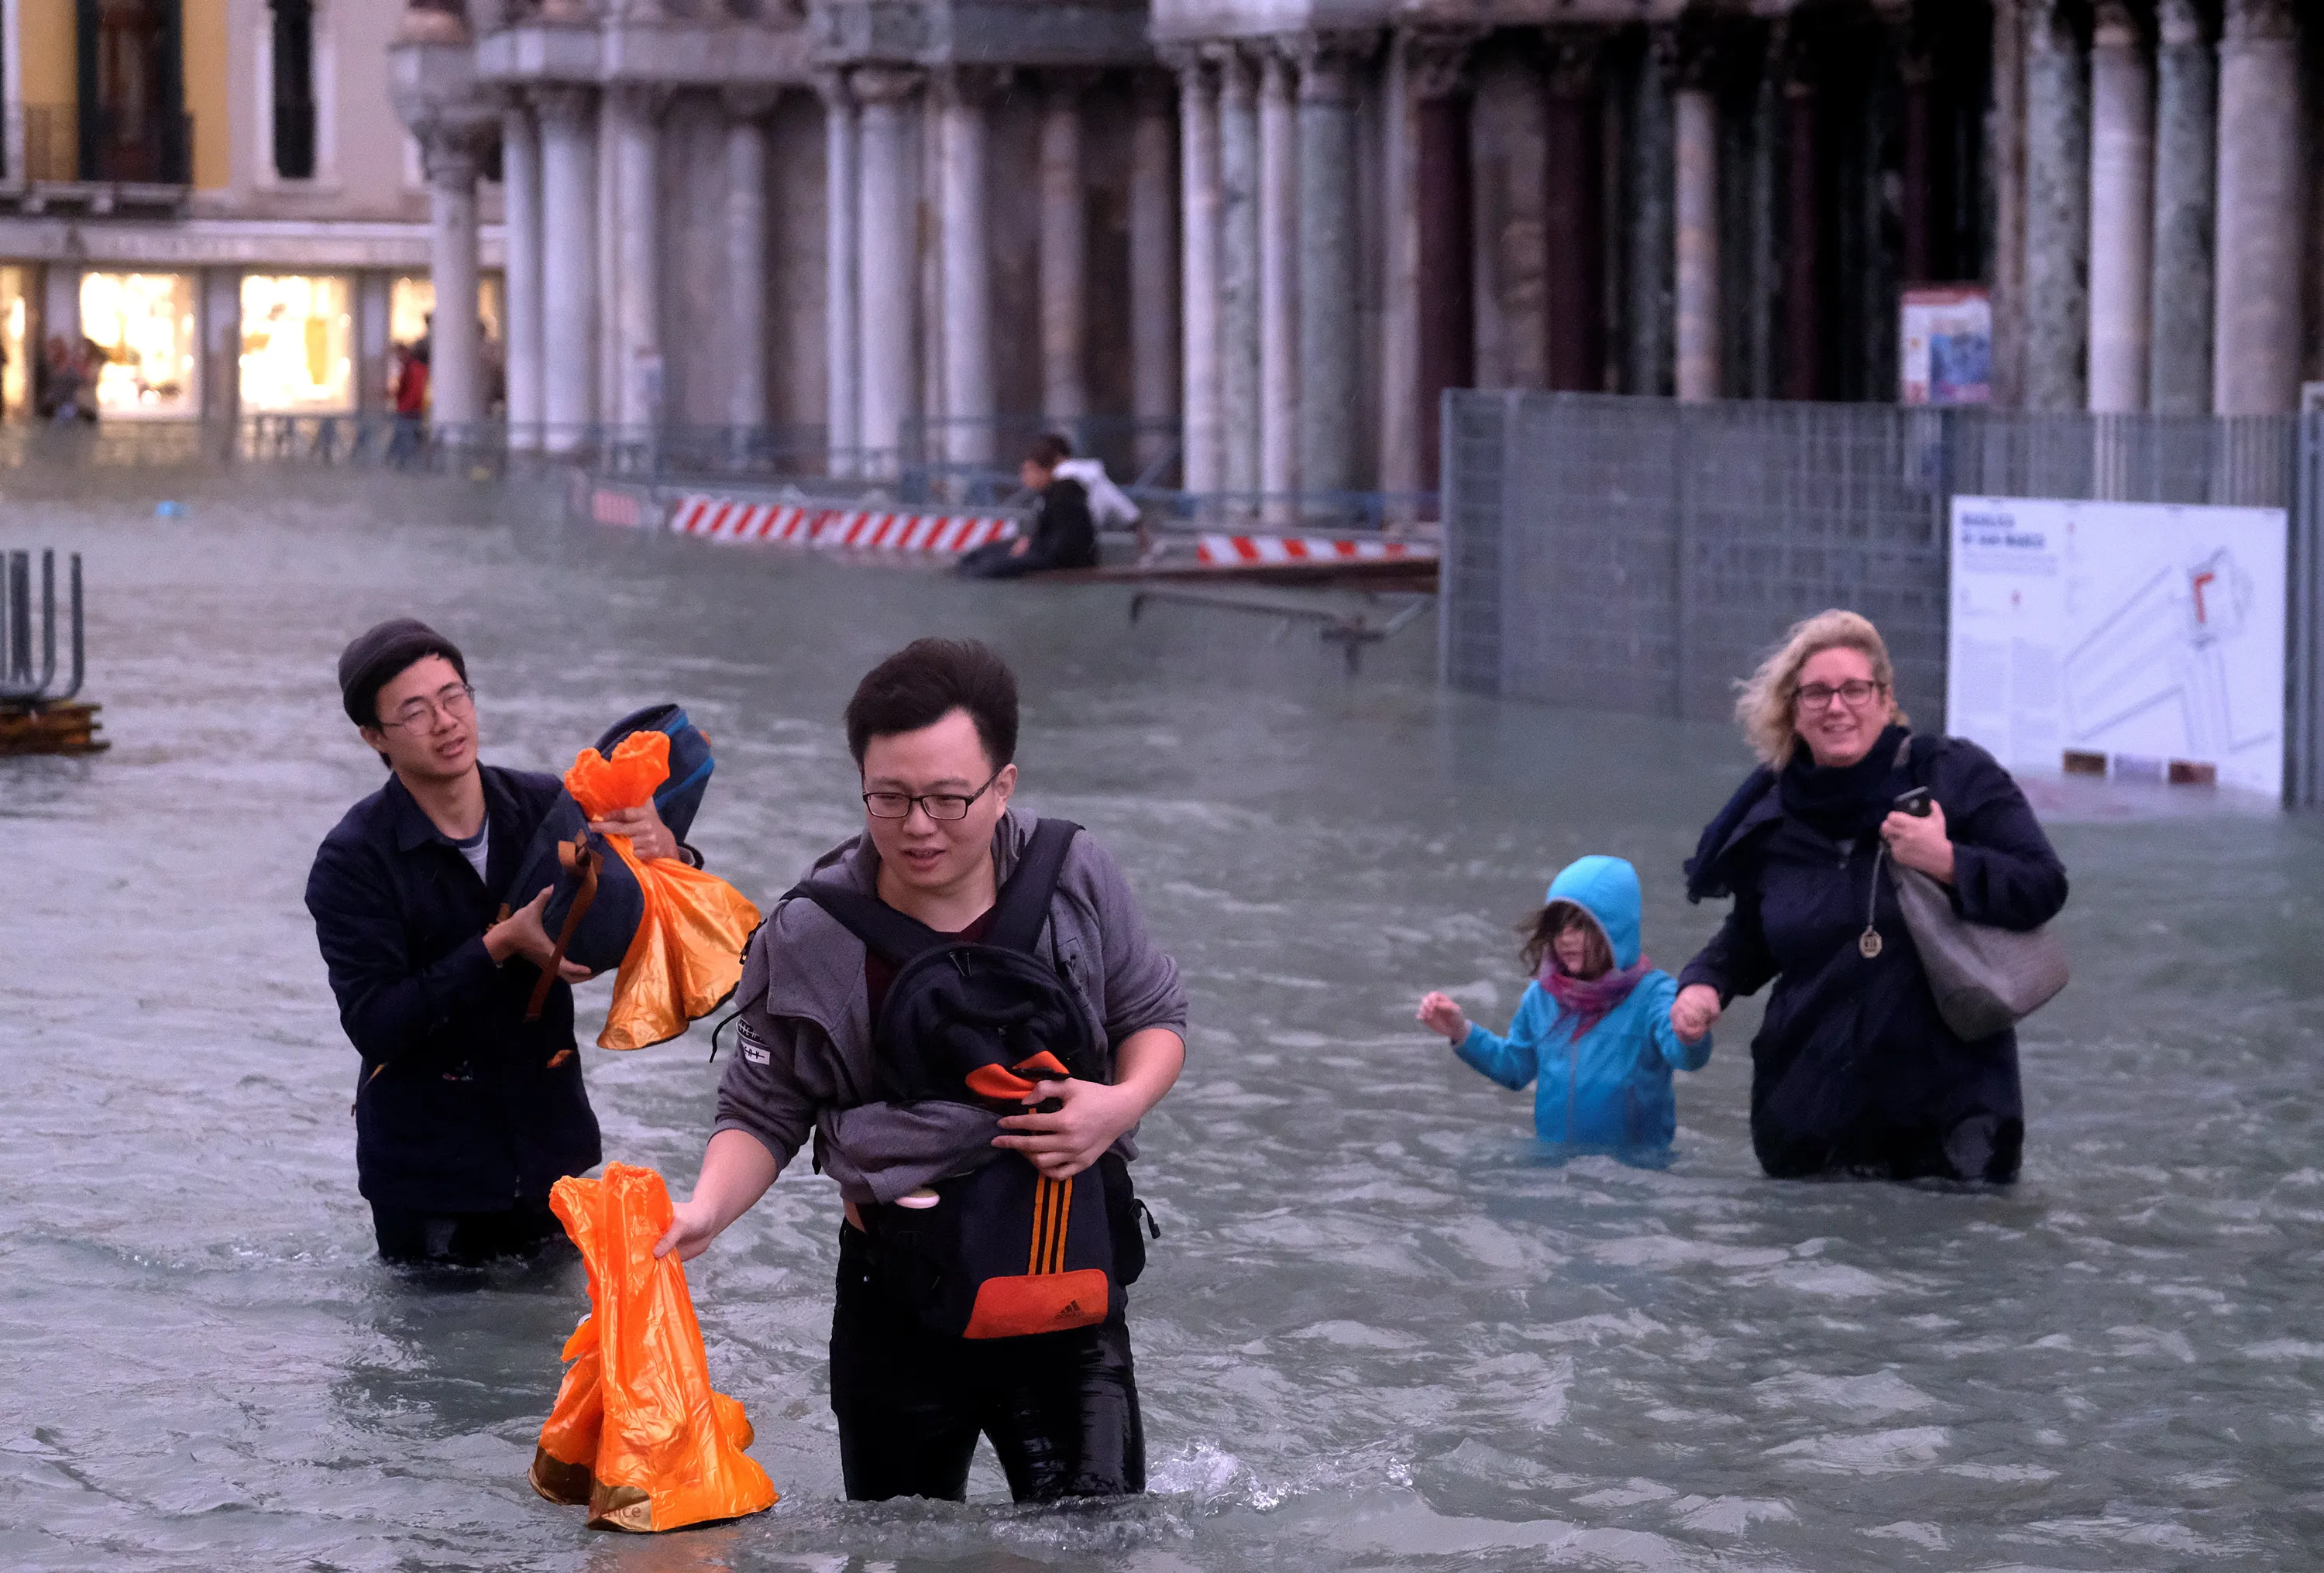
(1589,1001)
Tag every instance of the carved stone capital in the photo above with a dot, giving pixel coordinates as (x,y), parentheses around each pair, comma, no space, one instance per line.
(562,107)
(451,152)
(884,85)
(747,104)
(642,101)
(2114,26)
(2180,24)
(1436,61)
(1328,62)
(2049,28)
(1237,75)
(2250,21)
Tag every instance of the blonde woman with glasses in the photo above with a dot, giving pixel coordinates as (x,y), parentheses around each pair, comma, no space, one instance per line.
(1853,1071)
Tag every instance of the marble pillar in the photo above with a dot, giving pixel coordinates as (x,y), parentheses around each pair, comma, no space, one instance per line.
(2122,211)
(887,235)
(1064,252)
(1645,306)
(1239,325)
(2262,212)
(2185,152)
(746,259)
(1436,71)
(1803,288)
(967,281)
(569,265)
(1330,357)
(843,349)
(1573,212)
(520,216)
(374,310)
(2057,209)
(1153,270)
(2005,194)
(455,370)
(1694,212)
(1203,463)
(1279,278)
(637,152)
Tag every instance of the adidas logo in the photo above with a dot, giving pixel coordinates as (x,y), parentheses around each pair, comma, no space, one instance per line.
(1072,1308)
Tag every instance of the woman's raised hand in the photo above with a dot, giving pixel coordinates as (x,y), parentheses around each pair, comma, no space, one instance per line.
(1693,1012)
(1438,1014)
(1919,842)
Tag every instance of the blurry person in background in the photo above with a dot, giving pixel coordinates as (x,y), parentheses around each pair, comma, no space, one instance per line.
(1060,535)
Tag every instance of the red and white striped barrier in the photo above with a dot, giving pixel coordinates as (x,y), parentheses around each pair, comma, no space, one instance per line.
(726,518)
(1232,551)
(625,508)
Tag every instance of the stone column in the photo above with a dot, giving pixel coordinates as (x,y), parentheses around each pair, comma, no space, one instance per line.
(521,332)
(375,302)
(2186,150)
(2122,210)
(843,349)
(1238,324)
(2005,164)
(2263,202)
(1574,212)
(454,369)
(1803,303)
(1198,278)
(1647,357)
(568,264)
(967,349)
(746,257)
(1329,360)
(1279,278)
(637,250)
(1153,270)
(1695,209)
(2057,209)
(1436,66)
(1065,250)
(885,232)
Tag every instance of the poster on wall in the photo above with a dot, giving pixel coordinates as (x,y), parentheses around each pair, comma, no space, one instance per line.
(1946,349)
(2139,641)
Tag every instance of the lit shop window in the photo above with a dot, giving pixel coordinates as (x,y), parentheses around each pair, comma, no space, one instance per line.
(412,300)
(15,322)
(298,339)
(144,325)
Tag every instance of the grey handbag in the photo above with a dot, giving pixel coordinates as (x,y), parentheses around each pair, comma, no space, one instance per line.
(1985,978)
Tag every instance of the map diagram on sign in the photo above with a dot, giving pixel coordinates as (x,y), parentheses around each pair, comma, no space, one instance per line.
(2140,641)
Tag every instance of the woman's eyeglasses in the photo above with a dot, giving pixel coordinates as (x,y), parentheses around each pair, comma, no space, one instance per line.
(1856,692)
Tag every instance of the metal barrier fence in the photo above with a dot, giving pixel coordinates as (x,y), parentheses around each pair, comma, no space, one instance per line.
(1640,554)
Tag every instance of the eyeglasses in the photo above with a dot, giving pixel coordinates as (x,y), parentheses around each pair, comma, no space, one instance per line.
(938,805)
(458,700)
(1856,692)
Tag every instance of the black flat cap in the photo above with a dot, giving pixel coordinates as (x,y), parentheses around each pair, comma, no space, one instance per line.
(373,659)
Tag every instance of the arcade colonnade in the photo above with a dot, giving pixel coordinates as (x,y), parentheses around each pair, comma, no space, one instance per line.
(1285,243)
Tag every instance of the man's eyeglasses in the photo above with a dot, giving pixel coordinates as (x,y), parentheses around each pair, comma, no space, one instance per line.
(939,805)
(1857,692)
(458,700)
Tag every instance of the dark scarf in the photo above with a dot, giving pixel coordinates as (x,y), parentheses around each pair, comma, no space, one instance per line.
(1590,1000)
(1844,802)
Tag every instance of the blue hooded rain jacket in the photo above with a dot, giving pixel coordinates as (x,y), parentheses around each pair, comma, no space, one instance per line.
(1611,1088)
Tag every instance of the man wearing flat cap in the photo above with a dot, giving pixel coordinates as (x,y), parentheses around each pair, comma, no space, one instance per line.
(465,1113)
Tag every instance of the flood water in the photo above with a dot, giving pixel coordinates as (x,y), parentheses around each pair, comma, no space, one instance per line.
(1381,1332)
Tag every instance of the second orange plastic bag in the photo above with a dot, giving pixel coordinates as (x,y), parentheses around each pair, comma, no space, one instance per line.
(688,953)
(637,1431)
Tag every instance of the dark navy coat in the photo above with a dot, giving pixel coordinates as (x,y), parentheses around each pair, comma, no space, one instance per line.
(1853,1069)
(456,1107)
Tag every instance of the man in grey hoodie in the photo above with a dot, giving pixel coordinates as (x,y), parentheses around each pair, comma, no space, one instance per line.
(934,731)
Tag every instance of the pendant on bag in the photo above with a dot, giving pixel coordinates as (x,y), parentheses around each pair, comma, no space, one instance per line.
(1868,942)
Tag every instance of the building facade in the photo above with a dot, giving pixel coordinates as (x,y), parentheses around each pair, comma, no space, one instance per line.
(219,198)
(1279,228)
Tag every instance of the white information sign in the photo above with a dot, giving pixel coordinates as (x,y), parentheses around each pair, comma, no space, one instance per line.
(2144,641)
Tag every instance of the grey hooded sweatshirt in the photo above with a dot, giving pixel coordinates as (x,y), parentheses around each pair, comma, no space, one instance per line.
(804,1059)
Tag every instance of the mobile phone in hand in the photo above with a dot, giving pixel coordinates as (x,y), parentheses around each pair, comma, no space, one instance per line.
(1915,803)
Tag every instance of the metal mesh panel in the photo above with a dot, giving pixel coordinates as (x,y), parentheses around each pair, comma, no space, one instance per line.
(1641,554)
(2304,687)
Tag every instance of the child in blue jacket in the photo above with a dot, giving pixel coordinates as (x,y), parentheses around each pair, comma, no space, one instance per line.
(1594,1026)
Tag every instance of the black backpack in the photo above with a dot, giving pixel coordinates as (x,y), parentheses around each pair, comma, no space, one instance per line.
(1004,1251)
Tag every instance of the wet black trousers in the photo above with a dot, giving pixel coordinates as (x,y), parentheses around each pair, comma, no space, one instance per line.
(1061,1408)
(463,1239)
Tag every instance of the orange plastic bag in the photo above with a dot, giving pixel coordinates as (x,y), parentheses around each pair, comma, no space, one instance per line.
(688,953)
(637,1432)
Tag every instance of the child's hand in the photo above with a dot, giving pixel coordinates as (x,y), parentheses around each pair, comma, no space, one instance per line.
(1439,1014)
